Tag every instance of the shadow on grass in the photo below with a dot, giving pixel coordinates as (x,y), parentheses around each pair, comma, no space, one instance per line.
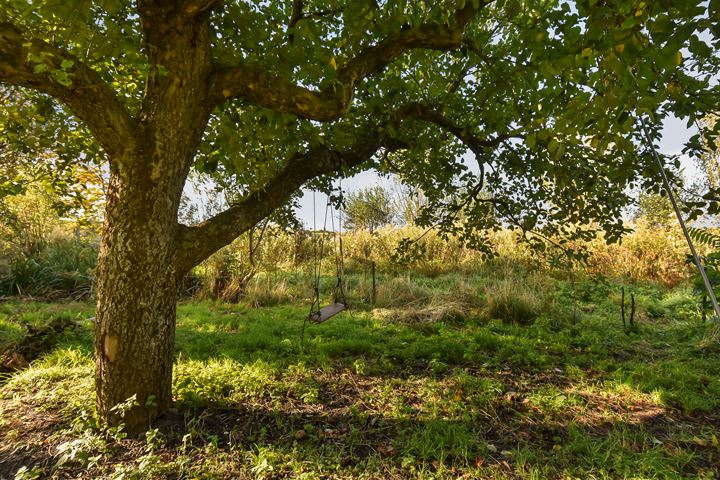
(328,438)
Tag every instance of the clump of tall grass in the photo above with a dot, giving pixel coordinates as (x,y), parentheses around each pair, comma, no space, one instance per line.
(402,292)
(511,301)
(62,267)
(462,291)
(710,342)
(416,303)
(263,294)
(437,311)
(42,255)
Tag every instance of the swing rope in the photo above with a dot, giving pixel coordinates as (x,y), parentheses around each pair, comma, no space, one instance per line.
(318,314)
(317,259)
(315,303)
(339,265)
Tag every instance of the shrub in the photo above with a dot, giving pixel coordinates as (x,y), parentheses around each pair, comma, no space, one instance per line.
(63,267)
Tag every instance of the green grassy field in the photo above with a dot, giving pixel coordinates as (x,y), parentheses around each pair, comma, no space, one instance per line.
(435,387)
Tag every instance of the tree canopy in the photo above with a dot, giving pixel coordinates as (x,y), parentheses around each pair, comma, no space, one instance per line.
(545,94)
(500,112)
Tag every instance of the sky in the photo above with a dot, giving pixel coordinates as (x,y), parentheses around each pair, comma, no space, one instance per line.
(675,134)
(352,184)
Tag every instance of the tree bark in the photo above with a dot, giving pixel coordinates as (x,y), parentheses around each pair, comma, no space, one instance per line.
(136,295)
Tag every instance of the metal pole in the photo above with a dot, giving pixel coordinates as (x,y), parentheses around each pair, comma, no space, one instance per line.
(373,297)
(671,195)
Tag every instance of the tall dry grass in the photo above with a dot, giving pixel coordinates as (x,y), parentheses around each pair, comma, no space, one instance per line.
(653,254)
(234,274)
(657,254)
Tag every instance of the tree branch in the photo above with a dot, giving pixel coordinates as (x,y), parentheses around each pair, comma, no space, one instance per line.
(36,64)
(266,89)
(298,13)
(295,17)
(200,241)
(182,10)
(430,114)
(193,8)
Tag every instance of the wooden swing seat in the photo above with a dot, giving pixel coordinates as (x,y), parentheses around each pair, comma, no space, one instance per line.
(327,313)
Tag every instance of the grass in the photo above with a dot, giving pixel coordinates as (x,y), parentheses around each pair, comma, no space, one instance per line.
(374,394)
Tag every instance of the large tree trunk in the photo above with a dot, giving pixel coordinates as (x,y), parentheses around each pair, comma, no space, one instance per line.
(137,267)
(136,297)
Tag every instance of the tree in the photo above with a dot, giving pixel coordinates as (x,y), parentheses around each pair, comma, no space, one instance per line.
(408,202)
(655,209)
(709,161)
(369,207)
(545,95)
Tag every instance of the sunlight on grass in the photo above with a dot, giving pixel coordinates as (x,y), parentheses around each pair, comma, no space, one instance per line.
(63,378)
(221,382)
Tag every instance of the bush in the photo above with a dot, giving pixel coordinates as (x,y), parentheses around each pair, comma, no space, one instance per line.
(62,268)
(42,254)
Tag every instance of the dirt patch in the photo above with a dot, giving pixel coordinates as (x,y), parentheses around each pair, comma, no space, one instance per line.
(37,341)
(26,436)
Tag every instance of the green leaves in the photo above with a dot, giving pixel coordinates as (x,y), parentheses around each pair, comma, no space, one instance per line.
(531,140)
(44,62)
(369,208)
(62,77)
